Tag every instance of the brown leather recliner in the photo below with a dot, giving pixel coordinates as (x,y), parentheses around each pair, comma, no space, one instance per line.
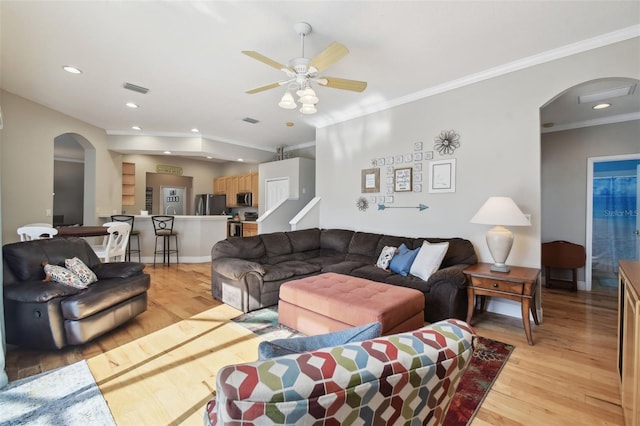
(48,315)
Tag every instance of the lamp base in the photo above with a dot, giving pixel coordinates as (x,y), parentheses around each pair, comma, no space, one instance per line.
(496,267)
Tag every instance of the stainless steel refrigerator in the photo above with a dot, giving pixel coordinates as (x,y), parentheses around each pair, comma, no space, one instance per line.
(210,204)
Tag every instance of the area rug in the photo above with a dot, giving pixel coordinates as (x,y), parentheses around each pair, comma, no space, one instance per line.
(489,357)
(65,396)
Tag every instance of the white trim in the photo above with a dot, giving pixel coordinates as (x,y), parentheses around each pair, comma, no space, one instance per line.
(596,122)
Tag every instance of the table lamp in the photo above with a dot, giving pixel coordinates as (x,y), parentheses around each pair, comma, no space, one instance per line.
(501,212)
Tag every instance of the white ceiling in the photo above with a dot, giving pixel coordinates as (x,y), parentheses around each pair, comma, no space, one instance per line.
(188,54)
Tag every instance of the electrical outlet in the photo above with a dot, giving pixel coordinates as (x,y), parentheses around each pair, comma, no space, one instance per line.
(48,212)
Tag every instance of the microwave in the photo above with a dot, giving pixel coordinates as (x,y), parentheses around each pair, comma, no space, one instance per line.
(244,199)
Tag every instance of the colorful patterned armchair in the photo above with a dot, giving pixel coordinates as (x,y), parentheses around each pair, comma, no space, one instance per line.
(405,378)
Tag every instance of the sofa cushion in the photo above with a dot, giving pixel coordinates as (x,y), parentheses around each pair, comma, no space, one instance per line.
(239,247)
(372,272)
(460,251)
(393,241)
(336,239)
(428,259)
(289,269)
(344,267)
(281,347)
(401,262)
(304,240)
(37,292)
(276,244)
(385,257)
(77,266)
(364,243)
(64,276)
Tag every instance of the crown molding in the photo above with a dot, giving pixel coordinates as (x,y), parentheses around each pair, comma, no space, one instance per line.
(530,61)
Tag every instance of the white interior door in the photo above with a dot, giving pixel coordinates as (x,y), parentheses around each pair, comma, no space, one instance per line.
(277,190)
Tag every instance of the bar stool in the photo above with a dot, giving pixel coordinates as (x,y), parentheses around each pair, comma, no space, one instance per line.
(134,233)
(163,227)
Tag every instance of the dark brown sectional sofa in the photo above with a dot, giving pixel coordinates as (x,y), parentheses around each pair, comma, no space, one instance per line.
(246,273)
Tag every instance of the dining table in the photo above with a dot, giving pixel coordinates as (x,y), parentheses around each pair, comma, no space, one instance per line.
(82,231)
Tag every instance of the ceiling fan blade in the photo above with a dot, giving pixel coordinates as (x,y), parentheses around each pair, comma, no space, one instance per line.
(328,57)
(343,84)
(264,59)
(263,88)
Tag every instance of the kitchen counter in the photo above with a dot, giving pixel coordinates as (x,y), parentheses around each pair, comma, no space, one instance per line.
(196,236)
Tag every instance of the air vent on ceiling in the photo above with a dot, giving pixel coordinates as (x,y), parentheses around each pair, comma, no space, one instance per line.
(250,120)
(135,88)
(605,94)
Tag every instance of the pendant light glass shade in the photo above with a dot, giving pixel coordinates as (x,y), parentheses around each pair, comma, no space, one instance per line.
(308,109)
(287,101)
(308,96)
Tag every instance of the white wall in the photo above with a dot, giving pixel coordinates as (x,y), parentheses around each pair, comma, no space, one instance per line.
(27,164)
(499,126)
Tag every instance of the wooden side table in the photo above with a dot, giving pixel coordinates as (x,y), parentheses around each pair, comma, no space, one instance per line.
(519,284)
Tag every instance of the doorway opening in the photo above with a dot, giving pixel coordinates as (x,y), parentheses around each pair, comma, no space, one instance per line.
(612,217)
(74,180)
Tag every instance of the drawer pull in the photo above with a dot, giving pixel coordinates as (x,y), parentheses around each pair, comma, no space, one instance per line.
(495,285)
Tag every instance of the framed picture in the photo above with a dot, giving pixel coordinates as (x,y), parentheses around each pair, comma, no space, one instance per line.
(380,199)
(442,176)
(398,159)
(389,160)
(390,170)
(371,180)
(403,179)
(417,177)
(428,155)
(417,167)
(417,187)
(388,199)
(417,156)
(380,162)
(408,158)
(417,146)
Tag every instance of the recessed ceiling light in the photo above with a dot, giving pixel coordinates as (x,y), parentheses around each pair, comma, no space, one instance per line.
(131,105)
(209,157)
(240,159)
(601,106)
(167,152)
(72,69)
(194,130)
(136,127)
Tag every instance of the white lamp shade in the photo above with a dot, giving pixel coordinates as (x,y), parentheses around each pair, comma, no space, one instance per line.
(308,109)
(500,211)
(287,101)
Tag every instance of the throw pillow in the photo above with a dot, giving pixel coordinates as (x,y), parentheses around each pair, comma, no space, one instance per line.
(280,347)
(428,259)
(385,257)
(78,267)
(402,260)
(63,276)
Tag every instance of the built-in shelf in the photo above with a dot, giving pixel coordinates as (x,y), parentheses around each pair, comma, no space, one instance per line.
(128,184)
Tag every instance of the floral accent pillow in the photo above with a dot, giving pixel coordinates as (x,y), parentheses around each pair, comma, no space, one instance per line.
(385,257)
(63,276)
(78,267)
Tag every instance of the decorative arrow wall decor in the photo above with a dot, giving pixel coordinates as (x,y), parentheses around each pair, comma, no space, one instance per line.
(419,207)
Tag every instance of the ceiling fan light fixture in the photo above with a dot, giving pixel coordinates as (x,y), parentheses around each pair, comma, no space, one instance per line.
(308,96)
(287,101)
(308,109)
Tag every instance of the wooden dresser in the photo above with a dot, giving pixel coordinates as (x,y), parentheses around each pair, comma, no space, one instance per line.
(629,339)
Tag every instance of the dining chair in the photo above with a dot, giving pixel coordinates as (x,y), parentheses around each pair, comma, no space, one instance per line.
(163,227)
(36,231)
(114,245)
(134,233)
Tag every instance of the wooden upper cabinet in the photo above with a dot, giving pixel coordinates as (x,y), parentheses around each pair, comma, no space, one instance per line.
(254,188)
(244,183)
(220,185)
(232,191)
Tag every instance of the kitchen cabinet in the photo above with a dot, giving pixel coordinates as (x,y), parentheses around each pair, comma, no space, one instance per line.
(244,183)
(629,339)
(254,189)
(232,185)
(232,191)
(128,184)
(249,229)
(220,185)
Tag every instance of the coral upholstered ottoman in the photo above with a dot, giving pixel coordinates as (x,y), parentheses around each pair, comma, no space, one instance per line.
(331,302)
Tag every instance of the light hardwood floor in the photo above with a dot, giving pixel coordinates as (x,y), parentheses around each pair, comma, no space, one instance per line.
(159,369)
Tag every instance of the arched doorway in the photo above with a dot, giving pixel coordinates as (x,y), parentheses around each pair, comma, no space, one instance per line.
(572,132)
(74,180)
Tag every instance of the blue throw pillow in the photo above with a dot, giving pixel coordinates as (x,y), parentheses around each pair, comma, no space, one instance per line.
(402,261)
(280,347)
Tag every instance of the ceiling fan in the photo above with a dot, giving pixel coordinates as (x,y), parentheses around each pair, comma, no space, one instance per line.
(301,72)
